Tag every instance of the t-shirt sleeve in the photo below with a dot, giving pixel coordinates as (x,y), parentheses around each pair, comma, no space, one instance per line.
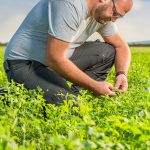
(109,29)
(63,22)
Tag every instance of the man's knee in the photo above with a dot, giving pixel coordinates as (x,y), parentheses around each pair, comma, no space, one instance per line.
(105,52)
(110,50)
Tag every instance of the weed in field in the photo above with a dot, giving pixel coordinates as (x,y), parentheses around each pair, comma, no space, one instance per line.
(89,122)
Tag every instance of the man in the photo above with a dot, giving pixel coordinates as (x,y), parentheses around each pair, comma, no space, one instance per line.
(49,48)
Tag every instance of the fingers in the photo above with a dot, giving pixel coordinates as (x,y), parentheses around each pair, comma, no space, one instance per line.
(109,90)
(117,84)
(123,87)
(111,93)
(121,83)
(110,86)
(105,88)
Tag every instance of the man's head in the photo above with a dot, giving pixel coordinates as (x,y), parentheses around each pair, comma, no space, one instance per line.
(110,10)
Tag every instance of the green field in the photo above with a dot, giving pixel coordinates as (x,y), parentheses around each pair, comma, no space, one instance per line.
(120,122)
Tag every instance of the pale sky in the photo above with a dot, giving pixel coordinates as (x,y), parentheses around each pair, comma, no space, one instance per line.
(135,26)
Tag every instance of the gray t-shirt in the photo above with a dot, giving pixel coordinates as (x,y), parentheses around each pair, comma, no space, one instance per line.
(67,20)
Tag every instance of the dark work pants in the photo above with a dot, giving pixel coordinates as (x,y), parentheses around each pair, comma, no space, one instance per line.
(93,58)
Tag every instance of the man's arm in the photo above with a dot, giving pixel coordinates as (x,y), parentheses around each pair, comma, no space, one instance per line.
(56,59)
(122,60)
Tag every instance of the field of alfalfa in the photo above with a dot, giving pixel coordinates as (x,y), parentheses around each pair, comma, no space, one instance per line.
(120,122)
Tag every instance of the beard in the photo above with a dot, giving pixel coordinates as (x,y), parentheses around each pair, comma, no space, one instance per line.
(100,14)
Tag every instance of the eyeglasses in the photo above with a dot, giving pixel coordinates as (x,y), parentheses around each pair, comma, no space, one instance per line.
(115,13)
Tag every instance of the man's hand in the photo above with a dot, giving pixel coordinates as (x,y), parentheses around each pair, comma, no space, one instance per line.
(121,83)
(103,88)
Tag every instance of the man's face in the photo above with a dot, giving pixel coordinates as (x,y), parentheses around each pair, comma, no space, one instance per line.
(109,12)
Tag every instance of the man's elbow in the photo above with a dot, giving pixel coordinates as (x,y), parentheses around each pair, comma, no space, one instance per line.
(54,62)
